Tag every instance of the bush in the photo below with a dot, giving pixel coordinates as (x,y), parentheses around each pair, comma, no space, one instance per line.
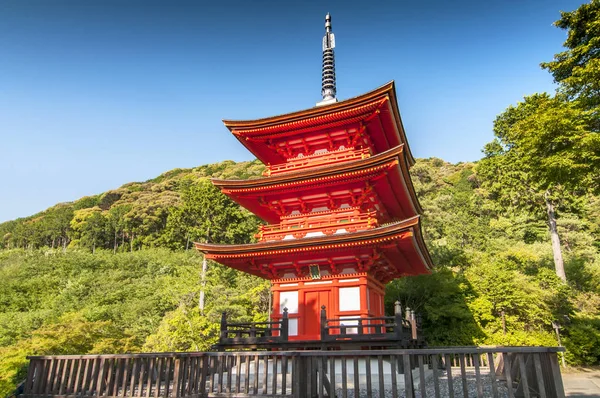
(583,342)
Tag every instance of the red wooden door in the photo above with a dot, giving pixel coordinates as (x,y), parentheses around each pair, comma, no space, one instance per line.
(312,313)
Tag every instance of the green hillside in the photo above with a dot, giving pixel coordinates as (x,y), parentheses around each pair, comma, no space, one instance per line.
(137,215)
(141,294)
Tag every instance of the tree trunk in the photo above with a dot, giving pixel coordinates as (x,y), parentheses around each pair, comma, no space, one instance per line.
(556,251)
(115,244)
(94,246)
(203,277)
(131,241)
(203,283)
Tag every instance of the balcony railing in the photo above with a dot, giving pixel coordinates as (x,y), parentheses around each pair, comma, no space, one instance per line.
(391,331)
(316,160)
(327,223)
(244,334)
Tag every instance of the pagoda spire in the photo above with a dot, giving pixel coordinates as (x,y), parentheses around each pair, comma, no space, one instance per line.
(328,89)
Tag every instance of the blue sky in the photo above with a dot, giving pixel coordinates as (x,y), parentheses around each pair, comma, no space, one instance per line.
(94,94)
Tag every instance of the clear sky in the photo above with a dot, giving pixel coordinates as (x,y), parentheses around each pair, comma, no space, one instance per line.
(94,94)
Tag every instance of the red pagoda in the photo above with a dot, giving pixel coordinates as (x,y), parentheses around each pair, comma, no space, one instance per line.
(343,218)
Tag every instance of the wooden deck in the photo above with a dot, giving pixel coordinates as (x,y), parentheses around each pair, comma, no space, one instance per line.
(452,372)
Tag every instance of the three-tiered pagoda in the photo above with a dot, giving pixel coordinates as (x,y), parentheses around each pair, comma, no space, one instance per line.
(343,218)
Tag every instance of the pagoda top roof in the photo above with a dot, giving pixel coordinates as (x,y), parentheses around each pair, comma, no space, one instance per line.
(254,133)
(407,231)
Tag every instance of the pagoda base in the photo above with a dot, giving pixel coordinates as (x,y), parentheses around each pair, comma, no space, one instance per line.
(345,297)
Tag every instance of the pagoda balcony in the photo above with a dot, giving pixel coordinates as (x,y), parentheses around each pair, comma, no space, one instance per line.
(327,223)
(318,160)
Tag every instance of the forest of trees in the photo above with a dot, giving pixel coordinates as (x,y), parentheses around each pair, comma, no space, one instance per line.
(515,239)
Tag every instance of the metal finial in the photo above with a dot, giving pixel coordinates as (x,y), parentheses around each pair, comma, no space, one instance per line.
(327,23)
(328,89)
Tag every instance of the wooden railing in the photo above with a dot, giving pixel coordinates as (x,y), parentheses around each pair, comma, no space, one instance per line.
(315,160)
(255,334)
(404,331)
(449,372)
(388,331)
(326,223)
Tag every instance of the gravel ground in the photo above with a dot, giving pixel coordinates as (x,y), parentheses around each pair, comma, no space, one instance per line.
(443,383)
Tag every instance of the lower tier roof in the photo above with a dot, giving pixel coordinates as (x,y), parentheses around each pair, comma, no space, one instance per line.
(391,251)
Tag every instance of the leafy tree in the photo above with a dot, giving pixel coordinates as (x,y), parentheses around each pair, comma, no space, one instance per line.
(61,223)
(206,215)
(577,69)
(116,223)
(183,329)
(440,298)
(89,226)
(544,154)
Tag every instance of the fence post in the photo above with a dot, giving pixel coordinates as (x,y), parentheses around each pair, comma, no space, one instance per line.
(31,376)
(559,389)
(176,378)
(300,374)
(285,325)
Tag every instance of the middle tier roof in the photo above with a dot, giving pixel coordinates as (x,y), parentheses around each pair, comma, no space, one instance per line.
(396,249)
(383,179)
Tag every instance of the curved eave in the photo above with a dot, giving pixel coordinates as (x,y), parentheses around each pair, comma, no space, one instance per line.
(241,191)
(313,243)
(242,256)
(314,174)
(387,90)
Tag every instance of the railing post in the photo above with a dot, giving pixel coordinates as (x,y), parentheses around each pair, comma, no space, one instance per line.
(413,325)
(285,325)
(398,321)
(397,308)
(360,327)
(323,323)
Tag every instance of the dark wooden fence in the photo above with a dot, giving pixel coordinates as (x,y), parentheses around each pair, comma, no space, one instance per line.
(253,334)
(386,330)
(398,331)
(443,372)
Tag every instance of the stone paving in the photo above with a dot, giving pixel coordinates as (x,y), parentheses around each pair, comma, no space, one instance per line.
(583,383)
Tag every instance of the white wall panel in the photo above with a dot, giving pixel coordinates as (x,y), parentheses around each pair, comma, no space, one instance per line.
(349,298)
(289,300)
(293,327)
